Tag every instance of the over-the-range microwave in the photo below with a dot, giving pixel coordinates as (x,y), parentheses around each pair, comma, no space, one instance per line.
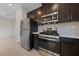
(52,17)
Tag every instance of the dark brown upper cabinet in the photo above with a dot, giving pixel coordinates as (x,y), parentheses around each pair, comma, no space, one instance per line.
(66,11)
(74,12)
(63,13)
(45,8)
(35,15)
(38,15)
(48,8)
(63,10)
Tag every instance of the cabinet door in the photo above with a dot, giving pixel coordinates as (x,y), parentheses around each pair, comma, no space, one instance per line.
(74,16)
(49,8)
(38,15)
(35,15)
(36,43)
(35,36)
(68,49)
(45,8)
(54,7)
(63,13)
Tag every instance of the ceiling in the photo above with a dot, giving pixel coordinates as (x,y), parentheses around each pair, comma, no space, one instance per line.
(8,10)
(31,6)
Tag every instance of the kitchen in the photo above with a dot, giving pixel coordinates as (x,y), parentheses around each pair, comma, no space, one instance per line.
(57,31)
(39,29)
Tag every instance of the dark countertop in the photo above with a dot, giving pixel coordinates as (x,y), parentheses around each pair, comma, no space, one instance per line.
(72,36)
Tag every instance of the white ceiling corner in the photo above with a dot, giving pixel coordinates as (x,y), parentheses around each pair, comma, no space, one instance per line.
(10,11)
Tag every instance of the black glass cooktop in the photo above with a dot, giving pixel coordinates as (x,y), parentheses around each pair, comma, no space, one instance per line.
(53,32)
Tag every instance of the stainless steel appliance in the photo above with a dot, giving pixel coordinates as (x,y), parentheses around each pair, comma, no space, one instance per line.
(52,17)
(49,43)
(25,34)
(28,26)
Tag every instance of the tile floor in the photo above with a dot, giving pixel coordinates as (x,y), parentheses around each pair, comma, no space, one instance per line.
(10,47)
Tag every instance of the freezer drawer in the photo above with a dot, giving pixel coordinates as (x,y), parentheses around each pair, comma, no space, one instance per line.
(25,39)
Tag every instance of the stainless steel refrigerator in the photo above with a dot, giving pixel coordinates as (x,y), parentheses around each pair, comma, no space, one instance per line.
(25,33)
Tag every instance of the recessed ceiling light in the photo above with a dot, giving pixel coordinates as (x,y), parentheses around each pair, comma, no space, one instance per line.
(3,12)
(10,4)
(39,12)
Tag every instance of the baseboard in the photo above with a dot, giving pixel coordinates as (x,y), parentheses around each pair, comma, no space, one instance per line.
(18,40)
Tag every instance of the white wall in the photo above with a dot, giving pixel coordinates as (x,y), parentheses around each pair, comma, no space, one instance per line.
(17,24)
(20,15)
(6,28)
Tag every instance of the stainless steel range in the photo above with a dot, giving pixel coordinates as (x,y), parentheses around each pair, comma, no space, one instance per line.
(49,43)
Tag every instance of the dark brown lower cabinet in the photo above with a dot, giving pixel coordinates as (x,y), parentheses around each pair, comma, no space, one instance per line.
(35,36)
(69,47)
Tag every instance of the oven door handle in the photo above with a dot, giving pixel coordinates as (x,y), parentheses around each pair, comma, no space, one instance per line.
(41,50)
(51,39)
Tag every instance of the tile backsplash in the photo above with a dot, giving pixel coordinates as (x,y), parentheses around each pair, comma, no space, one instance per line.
(64,29)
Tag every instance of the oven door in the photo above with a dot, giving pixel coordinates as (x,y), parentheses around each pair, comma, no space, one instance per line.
(52,45)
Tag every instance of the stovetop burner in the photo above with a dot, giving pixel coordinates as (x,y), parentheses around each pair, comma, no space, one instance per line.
(53,32)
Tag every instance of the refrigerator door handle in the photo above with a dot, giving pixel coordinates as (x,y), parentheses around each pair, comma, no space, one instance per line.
(20,33)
